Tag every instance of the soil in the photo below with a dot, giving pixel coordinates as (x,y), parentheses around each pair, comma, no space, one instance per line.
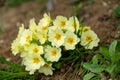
(98,15)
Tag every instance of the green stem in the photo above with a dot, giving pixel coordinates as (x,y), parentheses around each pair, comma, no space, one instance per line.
(79,51)
(73,13)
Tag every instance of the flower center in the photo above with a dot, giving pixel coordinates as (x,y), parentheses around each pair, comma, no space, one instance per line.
(36,60)
(85,30)
(35,50)
(44,36)
(28,38)
(57,36)
(46,65)
(70,40)
(62,24)
(44,28)
(53,53)
(88,39)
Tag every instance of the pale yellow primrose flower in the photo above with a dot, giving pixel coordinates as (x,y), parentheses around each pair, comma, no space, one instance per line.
(71,40)
(52,53)
(60,22)
(44,23)
(26,37)
(46,69)
(31,71)
(52,28)
(56,37)
(35,49)
(85,29)
(42,27)
(46,20)
(42,36)
(33,62)
(15,47)
(24,53)
(89,39)
(71,24)
(32,25)
(21,30)
(33,28)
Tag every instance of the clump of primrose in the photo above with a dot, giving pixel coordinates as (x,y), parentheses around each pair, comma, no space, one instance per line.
(41,44)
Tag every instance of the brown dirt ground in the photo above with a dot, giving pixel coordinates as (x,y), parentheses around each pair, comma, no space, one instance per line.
(98,15)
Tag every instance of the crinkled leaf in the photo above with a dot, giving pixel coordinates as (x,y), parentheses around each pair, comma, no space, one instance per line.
(98,58)
(110,68)
(104,51)
(88,76)
(117,68)
(118,46)
(93,67)
(112,48)
(116,58)
(95,59)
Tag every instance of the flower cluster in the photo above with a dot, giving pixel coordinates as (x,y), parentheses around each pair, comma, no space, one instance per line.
(41,44)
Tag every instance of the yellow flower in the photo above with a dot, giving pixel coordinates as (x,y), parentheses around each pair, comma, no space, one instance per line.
(33,28)
(71,40)
(89,39)
(44,23)
(33,62)
(21,30)
(46,20)
(52,54)
(72,25)
(26,37)
(24,53)
(35,49)
(24,50)
(15,47)
(46,69)
(31,71)
(42,27)
(56,37)
(42,36)
(86,28)
(60,22)
(32,25)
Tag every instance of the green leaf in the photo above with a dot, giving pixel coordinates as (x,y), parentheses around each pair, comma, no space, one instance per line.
(117,68)
(118,46)
(58,65)
(93,67)
(98,58)
(112,48)
(116,58)
(104,51)
(110,69)
(117,12)
(95,59)
(88,76)
(4,61)
(12,66)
